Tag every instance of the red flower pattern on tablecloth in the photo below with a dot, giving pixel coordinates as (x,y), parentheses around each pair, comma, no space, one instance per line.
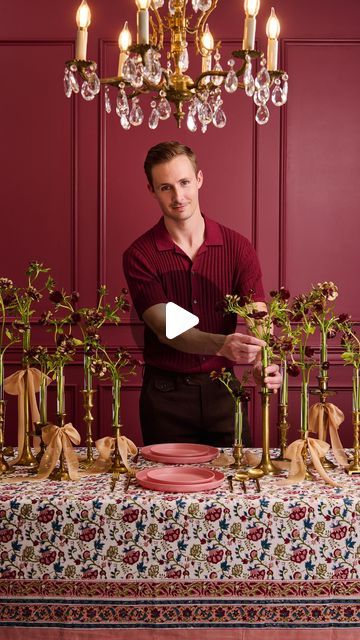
(80,530)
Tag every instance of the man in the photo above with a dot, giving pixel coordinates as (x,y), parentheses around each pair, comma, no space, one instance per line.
(193,261)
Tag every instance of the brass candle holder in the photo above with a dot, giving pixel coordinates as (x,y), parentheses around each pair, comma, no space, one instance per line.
(323,392)
(266,465)
(4,467)
(27,458)
(354,467)
(117,468)
(305,455)
(283,427)
(88,401)
(60,474)
(38,432)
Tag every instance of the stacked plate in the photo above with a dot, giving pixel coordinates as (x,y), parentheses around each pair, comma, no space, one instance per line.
(179,453)
(180,479)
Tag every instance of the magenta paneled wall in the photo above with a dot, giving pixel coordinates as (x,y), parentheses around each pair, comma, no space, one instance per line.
(73,194)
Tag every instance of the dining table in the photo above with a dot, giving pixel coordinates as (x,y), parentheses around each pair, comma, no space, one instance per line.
(259,560)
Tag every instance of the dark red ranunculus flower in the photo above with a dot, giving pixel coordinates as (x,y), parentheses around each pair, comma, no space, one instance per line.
(75,317)
(343,317)
(284,293)
(331,333)
(309,352)
(74,297)
(325,365)
(257,315)
(56,297)
(293,370)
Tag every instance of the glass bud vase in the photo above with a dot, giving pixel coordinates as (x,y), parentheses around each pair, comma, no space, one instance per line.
(43,412)
(238,427)
(88,402)
(60,395)
(26,456)
(4,467)
(117,466)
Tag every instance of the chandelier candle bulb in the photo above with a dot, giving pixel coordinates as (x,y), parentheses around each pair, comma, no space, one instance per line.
(251,10)
(272,32)
(207,42)
(125,41)
(83,19)
(143,21)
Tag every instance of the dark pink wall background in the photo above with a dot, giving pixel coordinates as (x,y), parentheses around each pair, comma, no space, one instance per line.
(73,194)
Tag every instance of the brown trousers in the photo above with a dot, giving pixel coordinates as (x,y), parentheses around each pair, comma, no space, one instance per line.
(187,408)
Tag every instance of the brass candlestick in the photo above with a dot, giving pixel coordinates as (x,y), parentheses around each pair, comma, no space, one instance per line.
(283,427)
(38,432)
(238,456)
(117,467)
(266,464)
(60,474)
(305,452)
(354,467)
(88,402)
(4,467)
(27,458)
(323,392)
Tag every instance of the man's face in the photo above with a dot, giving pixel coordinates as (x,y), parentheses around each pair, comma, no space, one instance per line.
(176,187)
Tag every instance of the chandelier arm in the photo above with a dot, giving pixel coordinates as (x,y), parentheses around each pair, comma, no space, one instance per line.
(199,28)
(159,31)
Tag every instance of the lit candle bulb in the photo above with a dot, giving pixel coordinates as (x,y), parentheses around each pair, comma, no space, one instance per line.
(143,21)
(124,44)
(251,10)
(272,32)
(83,19)
(207,42)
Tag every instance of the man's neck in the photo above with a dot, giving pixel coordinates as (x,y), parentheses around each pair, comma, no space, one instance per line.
(187,234)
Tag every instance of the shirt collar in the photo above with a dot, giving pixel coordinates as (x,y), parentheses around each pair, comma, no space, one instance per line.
(163,241)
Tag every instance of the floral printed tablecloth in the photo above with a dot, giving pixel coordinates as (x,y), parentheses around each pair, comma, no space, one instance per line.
(52,534)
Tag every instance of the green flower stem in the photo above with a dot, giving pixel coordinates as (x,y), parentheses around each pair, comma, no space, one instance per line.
(238,421)
(60,391)
(304,415)
(356,389)
(323,353)
(116,401)
(284,392)
(26,342)
(87,373)
(265,363)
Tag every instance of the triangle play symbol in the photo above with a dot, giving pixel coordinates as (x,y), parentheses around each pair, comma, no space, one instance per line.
(178,320)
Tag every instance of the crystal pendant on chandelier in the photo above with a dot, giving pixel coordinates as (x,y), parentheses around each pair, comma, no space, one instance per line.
(262,78)
(163,107)
(136,116)
(122,103)
(261,96)
(86,91)
(124,121)
(279,94)
(67,83)
(107,100)
(195,5)
(152,69)
(158,3)
(217,80)
(154,116)
(171,6)
(184,59)
(231,80)
(92,79)
(129,69)
(191,120)
(137,79)
(262,115)
(205,113)
(219,117)
(203,5)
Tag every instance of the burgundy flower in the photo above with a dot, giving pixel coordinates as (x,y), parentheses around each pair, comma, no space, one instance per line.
(331,333)
(257,574)
(173,574)
(309,352)
(214,513)
(75,317)
(298,513)
(45,317)
(273,293)
(46,515)
(338,533)
(131,557)
(56,297)
(74,297)
(124,291)
(284,293)
(48,557)
(87,534)
(9,575)
(299,556)
(6,535)
(130,515)
(325,365)
(171,535)
(90,574)
(255,533)
(215,556)
(293,370)
(257,315)
(343,317)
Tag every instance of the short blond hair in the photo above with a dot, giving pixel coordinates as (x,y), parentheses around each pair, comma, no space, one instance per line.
(164,152)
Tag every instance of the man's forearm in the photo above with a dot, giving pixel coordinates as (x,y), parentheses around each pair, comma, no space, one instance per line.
(195,341)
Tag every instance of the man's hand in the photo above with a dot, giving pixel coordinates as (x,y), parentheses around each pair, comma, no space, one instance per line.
(273,377)
(241,348)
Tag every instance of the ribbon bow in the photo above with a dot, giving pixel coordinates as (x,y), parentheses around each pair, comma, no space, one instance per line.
(59,439)
(15,386)
(106,447)
(317,449)
(327,415)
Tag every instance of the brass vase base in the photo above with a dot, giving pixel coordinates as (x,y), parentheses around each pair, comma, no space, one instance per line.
(29,462)
(255,472)
(4,467)
(309,476)
(353,469)
(268,468)
(328,464)
(9,451)
(60,475)
(85,463)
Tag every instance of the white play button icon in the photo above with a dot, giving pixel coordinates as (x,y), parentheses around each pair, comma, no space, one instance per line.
(178,320)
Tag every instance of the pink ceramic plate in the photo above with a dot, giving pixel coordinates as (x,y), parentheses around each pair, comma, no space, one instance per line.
(181,475)
(148,455)
(179,487)
(180,449)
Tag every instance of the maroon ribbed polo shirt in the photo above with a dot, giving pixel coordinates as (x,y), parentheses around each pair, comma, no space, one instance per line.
(157,270)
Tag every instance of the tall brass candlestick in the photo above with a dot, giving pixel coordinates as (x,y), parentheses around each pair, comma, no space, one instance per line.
(266,464)
(283,424)
(4,467)
(88,395)
(61,473)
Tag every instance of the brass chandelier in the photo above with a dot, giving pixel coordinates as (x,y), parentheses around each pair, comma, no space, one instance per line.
(140,69)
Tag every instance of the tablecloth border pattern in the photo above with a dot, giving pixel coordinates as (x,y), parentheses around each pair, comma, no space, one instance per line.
(181,604)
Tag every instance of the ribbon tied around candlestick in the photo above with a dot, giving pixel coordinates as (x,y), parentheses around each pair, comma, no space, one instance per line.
(323,416)
(106,447)
(294,452)
(15,385)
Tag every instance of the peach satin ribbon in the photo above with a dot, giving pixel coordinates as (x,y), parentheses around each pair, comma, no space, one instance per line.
(327,415)
(15,385)
(57,439)
(317,449)
(106,447)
